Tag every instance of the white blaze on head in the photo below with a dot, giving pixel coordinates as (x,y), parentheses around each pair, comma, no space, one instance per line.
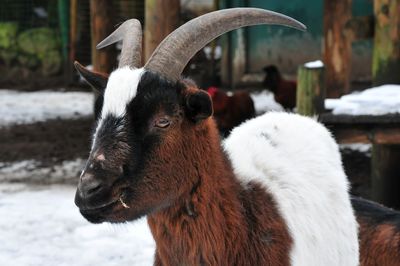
(121,89)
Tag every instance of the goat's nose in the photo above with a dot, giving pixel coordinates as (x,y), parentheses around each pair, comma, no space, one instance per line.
(88,185)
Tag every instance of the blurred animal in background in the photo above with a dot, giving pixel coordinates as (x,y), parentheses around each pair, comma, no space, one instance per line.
(284,90)
(231,110)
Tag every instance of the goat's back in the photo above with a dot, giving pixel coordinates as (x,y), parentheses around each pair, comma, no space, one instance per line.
(298,162)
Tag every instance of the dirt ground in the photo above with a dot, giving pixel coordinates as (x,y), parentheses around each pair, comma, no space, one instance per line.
(49,142)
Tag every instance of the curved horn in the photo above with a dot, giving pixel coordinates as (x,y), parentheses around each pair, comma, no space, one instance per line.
(130,32)
(174,52)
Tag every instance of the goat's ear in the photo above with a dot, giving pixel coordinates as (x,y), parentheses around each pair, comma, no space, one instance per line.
(198,105)
(97,80)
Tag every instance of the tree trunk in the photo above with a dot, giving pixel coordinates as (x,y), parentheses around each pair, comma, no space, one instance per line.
(161,18)
(386,54)
(337,47)
(102,24)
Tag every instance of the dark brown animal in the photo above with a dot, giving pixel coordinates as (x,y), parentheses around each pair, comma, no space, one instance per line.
(284,90)
(231,110)
(379,233)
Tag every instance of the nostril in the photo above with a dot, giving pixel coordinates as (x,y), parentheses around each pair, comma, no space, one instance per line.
(94,188)
(89,187)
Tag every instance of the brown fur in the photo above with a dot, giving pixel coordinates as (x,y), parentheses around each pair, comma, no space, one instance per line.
(284,90)
(379,233)
(379,245)
(197,210)
(231,111)
(218,222)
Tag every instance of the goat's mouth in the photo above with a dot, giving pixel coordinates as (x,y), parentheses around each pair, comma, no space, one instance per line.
(97,213)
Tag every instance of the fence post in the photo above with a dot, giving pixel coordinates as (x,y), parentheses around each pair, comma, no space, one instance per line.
(310,89)
(385,168)
(386,53)
(337,47)
(385,179)
(161,18)
(101,18)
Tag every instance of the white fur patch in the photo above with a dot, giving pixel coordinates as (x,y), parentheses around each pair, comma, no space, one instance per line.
(298,162)
(121,89)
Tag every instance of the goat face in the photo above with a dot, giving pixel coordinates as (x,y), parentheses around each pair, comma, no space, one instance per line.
(135,166)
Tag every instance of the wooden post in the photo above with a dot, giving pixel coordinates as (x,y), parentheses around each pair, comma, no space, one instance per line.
(73,37)
(385,181)
(386,174)
(386,53)
(337,47)
(102,25)
(161,18)
(310,89)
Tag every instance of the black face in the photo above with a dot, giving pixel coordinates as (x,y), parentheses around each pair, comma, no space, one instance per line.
(272,77)
(135,164)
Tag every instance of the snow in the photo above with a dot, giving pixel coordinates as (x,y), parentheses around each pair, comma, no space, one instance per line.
(314,64)
(35,171)
(217,52)
(264,101)
(41,226)
(358,147)
(30,107)
(380,100)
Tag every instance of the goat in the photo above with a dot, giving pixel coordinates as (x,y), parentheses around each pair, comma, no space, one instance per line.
(274,194)
(284,90)
(231,110)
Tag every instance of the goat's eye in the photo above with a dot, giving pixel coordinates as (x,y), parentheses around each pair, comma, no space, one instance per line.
(162,122)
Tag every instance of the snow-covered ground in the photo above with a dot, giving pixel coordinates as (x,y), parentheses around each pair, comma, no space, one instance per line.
(375,101)
(29,107)
(41,226)
(34,171)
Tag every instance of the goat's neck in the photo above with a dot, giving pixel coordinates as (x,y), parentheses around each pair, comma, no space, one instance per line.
(215,220)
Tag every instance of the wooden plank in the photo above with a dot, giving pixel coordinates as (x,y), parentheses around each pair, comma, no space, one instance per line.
(366,135)
(329,118)
(337,47)
(346,136)
(387,136)
(102,24)
(161,18)
(386,53)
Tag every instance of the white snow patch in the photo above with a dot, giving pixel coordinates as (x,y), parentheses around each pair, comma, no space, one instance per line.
(380,100)
(32,170)
(314,64)
(264,101)
(30,107)
(42,226)
(359,147)
(217,52)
